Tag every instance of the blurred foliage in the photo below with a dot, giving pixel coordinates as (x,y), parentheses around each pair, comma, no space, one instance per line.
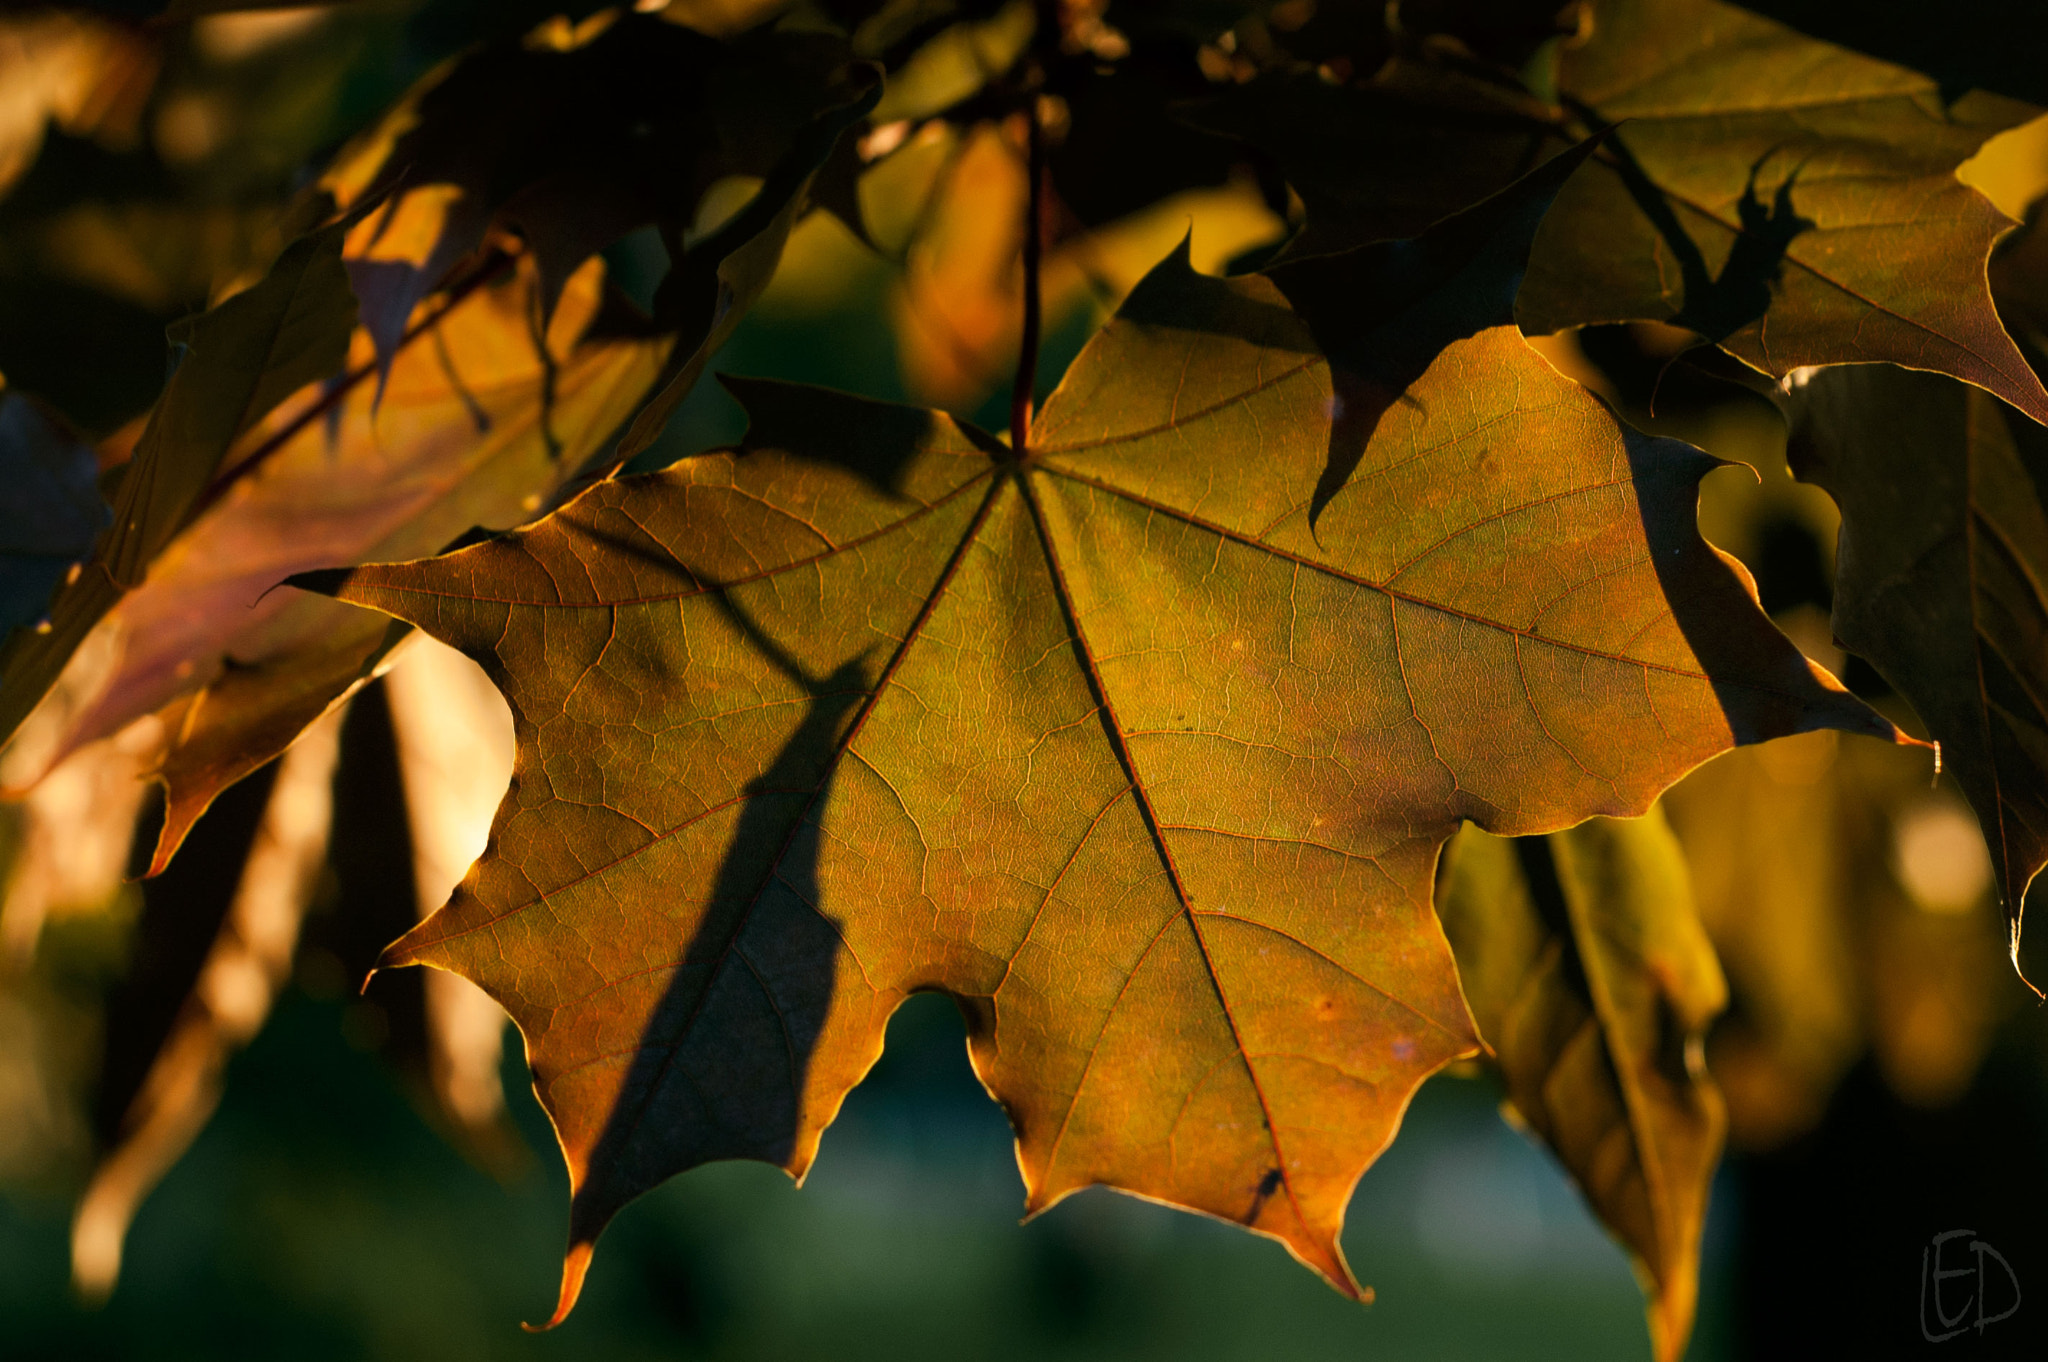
(317,1217)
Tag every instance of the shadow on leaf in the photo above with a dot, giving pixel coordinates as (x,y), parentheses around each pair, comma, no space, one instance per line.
(1382,313)
(719,1071)
(1719,305)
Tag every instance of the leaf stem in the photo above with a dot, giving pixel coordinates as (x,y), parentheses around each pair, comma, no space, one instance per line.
(338,389)
(1027,348)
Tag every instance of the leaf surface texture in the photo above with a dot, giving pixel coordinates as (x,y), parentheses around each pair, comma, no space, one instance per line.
(1109,741)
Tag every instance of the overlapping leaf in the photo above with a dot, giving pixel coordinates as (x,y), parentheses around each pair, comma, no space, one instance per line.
(423,189)
(1941,568)
(582,134)
(173,146)
(1104,737)
(1391,155)
(1792,201)
(478,425)
(242,359)
(1800,208)
(1592,980)
(480,421)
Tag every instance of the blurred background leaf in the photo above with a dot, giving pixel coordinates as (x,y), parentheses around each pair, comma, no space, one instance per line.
(1593,984)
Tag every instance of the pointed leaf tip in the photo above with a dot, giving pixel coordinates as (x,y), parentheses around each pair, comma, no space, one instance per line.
(575,1263)
(179,817)
(325,581)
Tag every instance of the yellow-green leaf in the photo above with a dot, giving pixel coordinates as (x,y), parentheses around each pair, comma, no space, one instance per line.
(1593,982)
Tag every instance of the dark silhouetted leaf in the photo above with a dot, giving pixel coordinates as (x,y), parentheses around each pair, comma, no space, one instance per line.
(718,279)
(1939,580)
(576,137)
(1382,315)
(1123,150)
(1390,155)
(51,514)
